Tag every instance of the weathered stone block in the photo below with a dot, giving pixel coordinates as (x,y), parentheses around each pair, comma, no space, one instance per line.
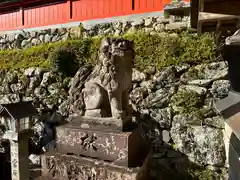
(64,167)
(107,123)
(229,106)
(95,113)
(121,148)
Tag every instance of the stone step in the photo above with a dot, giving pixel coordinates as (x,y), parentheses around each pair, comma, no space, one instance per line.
(59,166)
(232,148)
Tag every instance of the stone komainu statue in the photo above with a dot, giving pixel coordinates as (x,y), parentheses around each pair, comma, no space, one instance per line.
(106,91)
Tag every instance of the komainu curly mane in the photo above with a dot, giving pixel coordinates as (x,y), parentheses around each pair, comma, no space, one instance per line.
(106,91)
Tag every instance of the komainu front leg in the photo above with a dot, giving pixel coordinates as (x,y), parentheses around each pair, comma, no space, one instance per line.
(93,100)
(116,105)
(93,96)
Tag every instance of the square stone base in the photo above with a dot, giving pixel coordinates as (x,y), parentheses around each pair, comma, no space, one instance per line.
(65,167)
(121,148)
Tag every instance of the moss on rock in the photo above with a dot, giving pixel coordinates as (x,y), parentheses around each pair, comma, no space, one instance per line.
(187,101)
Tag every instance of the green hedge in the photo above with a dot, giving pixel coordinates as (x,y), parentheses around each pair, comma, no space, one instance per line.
(166,49)
(158,50)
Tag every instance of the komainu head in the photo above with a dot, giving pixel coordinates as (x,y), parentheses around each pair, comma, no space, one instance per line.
(118,49)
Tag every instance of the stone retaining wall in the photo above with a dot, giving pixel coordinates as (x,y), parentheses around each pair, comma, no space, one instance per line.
(174,106)
(32,38)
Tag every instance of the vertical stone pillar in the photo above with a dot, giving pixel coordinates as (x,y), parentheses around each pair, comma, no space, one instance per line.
(19,158)
(14,149)
(44,164)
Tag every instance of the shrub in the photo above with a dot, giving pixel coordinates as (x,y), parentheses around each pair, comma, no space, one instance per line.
(37,56)
(165,49)
(63,60)
(159,50)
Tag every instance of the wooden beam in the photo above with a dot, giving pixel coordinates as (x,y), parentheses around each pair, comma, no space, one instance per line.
(230,7)
(194,13)
(69,8)
(22,15)
(203,16)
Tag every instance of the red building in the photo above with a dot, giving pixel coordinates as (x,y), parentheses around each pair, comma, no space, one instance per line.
(20,14)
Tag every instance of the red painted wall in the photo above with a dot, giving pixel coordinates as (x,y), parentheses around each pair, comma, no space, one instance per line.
(45,15)
(11,20)
(142,6)
(75,10)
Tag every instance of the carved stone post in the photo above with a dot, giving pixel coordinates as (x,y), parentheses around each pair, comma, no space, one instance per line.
(19,158)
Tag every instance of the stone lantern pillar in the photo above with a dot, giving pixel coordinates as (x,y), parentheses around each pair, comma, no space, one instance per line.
(19,157)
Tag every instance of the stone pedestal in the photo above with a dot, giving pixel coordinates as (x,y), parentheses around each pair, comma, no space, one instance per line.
(121,148)
(91,150)
(64,167)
